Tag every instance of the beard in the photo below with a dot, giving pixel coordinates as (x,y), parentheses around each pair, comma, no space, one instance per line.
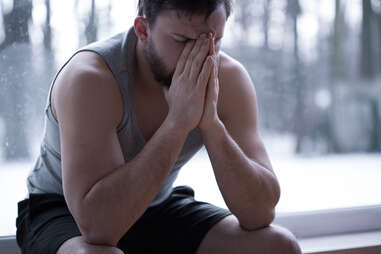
(157,66)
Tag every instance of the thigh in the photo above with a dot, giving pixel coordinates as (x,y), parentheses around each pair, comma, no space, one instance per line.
(178,225)
(44,223)
(46,226)
(228,237)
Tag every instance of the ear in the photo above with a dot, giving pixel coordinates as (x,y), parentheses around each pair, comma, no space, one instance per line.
(141,28)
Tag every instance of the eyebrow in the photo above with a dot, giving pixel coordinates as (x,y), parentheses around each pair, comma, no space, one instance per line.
(186,37)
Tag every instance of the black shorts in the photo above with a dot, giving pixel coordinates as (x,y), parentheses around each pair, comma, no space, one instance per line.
(177,225)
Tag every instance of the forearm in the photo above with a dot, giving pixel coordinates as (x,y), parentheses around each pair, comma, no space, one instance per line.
(250,190)
(115,203)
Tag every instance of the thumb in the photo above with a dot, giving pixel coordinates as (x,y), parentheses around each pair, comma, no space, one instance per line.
(166,92)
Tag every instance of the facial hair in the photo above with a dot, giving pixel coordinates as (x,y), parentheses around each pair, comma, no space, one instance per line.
(157,66)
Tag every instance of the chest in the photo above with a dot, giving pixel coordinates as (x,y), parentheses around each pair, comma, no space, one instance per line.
(151,111)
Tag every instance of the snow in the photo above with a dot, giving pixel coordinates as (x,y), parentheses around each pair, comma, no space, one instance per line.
(307,183)
(12,189)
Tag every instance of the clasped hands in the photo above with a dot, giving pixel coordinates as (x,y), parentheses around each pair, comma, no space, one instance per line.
(193,94)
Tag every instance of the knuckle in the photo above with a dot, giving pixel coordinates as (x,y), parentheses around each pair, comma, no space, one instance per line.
(198,45)
(197,62)
(182,59)
(180,76)
(184,78)
(191,57)
(187,51)
(203,77)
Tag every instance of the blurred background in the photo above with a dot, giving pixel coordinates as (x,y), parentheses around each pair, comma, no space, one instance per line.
(316,66)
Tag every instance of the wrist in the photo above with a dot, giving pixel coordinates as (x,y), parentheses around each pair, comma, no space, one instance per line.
(213,130)
(177,130)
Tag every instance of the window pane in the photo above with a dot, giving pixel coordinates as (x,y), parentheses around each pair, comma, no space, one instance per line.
(315,65)
(35,41)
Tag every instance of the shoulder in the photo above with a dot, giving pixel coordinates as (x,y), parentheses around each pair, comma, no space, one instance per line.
(230,68)
(87,81)
(85,66)
(236,85)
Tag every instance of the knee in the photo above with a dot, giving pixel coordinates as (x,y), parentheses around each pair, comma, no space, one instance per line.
(78,246)
(101,250)
(286,242)
(108,250)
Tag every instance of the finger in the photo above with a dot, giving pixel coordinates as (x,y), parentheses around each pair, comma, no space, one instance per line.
(199,60)
(212,76)
(205,74)
(211,48)
(212,52)
(193,54)
(215,66)
(214,73)
(183,58)
(213,86)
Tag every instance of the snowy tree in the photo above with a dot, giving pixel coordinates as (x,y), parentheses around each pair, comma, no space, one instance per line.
(15,53)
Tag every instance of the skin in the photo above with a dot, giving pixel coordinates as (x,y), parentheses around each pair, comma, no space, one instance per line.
(200,95)
(169,39)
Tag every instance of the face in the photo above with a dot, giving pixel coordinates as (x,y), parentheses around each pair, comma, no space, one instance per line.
(171,31)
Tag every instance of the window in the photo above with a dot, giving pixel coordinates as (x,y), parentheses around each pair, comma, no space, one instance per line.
(316,67)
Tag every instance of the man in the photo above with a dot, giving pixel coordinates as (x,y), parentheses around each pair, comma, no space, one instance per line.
(122,118)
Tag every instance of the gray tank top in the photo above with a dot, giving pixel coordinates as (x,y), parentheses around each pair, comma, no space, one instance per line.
(118,52)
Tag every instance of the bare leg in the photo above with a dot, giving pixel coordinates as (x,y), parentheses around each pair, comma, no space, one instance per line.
(77,245)
(228,237)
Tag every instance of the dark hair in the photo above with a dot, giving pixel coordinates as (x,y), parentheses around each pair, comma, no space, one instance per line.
(151,8)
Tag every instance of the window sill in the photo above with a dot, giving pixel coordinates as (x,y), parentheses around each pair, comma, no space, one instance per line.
(364,243)
(338,221)
(9,245)
(355,243)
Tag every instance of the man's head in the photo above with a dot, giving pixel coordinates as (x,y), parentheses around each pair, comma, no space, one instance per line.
(164,26)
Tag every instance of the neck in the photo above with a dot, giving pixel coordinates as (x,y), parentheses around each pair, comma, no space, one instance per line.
(144,76)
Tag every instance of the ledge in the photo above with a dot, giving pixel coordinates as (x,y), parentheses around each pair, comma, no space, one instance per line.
(339,221)
(354,243)
(8,245)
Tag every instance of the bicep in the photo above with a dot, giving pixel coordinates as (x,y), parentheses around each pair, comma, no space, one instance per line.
(87,114)
(240,114)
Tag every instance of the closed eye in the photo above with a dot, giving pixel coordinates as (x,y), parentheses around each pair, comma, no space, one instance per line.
(188,40)
(182,41)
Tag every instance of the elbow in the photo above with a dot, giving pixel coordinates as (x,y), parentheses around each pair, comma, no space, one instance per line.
(99,232)
(260,218)
(274,192)
(96,237)
(277,193)
(94,233)
(96,222)
(95,229)
(257,221)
